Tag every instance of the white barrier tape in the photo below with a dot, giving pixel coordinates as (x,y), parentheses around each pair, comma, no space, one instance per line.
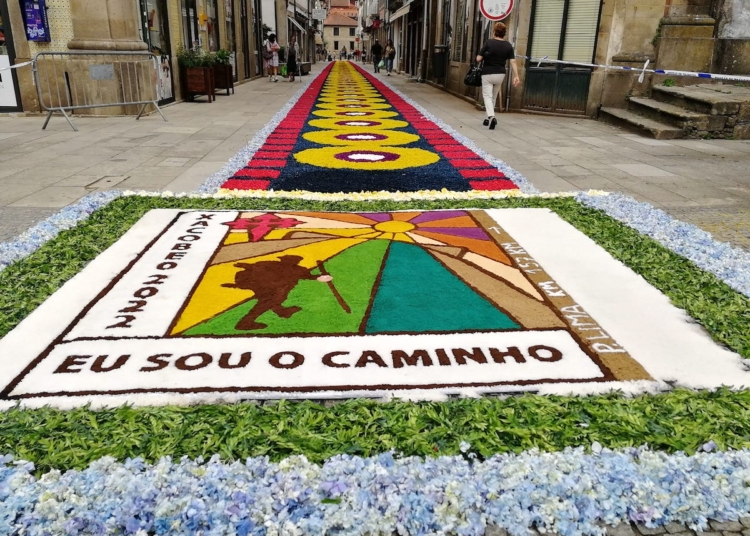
(643,71)
(17,65)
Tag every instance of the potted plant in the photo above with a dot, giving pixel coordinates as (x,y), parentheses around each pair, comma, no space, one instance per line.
(197,72)
(224,77)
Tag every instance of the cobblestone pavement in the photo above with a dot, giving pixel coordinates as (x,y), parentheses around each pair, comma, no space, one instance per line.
(705,182)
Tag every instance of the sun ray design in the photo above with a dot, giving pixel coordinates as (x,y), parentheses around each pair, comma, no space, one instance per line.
(375,261)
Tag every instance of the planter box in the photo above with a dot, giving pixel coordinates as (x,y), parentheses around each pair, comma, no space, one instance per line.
(199,81)
(224,77)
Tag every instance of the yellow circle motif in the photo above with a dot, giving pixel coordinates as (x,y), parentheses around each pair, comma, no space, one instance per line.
(355,114)
(366,159)
(360,138)
(360,124)
(394,227)
(354,106)
(350,100)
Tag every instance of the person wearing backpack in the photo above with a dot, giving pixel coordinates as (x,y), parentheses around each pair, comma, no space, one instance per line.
(271,57)
(495,53)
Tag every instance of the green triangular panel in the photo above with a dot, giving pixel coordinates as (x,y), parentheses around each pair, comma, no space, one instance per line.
(354,272)
(418,294)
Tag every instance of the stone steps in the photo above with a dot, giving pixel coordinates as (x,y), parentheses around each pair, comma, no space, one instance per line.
(674,115)
(640,124)
(698,111)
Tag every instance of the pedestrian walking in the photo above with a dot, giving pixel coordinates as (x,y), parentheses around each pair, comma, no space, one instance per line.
(292,53)
(364,56)
(390,55)
(342,54)
(495,53)
(377,53)
(271,57)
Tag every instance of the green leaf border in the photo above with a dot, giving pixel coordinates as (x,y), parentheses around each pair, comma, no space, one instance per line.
(679,420)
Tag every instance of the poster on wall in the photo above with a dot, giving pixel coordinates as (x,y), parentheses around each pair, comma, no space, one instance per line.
(496,9)
(35,20)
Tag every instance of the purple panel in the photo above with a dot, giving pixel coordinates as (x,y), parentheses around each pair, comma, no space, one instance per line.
(376,216)
(465,232)
(438,215)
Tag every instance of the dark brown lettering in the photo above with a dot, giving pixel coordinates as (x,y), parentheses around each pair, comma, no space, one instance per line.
(194,230)
(157,360)
(554,353)
(71,361)
(181,247)
(175,255)
(399,357)
(189,238)
(512,351)
(443,358)
(275,360)
(201,224)
(98,365)
(124,323)
(137,307)
(329,362)
(145,292)
(476,354)
(182,362)
(369,356)
(156,279)
(205,217)
(242,363)
(166,266)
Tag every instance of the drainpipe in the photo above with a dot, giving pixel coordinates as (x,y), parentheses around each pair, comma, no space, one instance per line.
(510,78)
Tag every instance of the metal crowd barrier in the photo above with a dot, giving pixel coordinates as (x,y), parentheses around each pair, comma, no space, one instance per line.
(69,81)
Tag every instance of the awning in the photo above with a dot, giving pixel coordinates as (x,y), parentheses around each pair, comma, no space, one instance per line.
(401,12)
(297,24)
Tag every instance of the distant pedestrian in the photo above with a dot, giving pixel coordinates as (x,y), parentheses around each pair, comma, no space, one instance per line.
(342,55)
(271,57)
(495,53)
(292,53)
(364,56)
(377,53)
(390,55)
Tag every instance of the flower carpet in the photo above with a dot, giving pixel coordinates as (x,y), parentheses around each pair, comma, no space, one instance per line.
(349,132)
(560,361)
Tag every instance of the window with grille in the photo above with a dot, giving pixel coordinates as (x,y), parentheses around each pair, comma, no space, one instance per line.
(335,31)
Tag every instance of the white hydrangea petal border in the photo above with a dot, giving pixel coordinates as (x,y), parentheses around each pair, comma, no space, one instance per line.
(728,263)
(571,493)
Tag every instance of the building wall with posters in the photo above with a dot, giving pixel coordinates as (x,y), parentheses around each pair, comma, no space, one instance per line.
(159,26)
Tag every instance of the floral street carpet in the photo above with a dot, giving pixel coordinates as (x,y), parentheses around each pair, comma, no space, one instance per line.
(150,341)
(350,132)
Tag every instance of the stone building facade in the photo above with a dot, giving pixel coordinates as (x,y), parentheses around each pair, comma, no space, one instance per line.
(159,26)
(688,35)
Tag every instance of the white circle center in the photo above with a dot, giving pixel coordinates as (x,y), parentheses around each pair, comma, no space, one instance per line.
(366,157)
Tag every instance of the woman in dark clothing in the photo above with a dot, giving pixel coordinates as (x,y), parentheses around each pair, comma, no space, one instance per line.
(495,53)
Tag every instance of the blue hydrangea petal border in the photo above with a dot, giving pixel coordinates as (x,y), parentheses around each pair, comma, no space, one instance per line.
(728,263)
(571,493)
(38,235)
